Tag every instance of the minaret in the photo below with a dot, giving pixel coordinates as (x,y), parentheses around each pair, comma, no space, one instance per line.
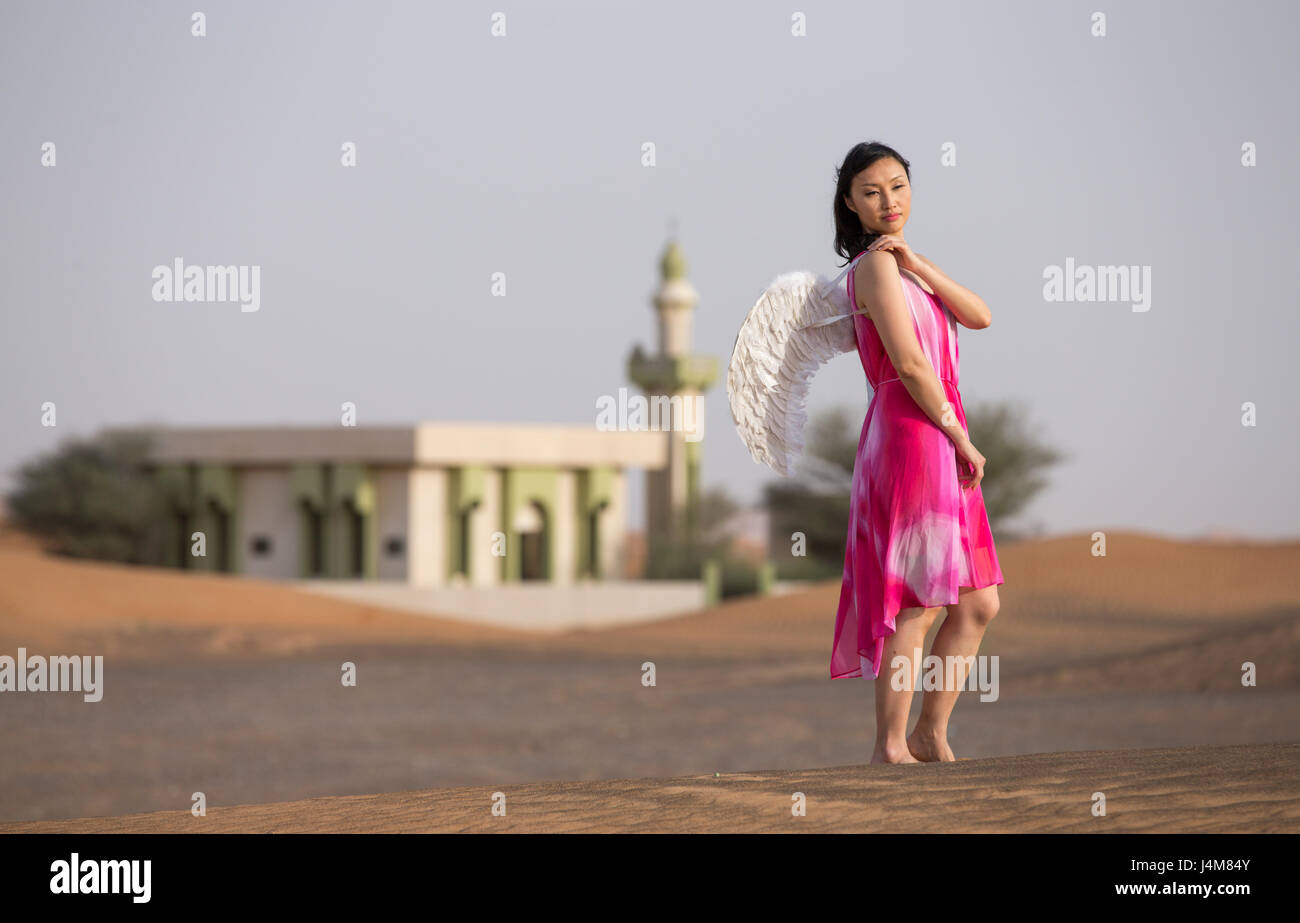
(672,494)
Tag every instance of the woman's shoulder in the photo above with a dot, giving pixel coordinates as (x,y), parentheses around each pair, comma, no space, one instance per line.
(874,261)
(883,261)
(870,265)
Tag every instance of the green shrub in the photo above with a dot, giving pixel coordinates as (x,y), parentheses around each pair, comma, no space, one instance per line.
(92,498)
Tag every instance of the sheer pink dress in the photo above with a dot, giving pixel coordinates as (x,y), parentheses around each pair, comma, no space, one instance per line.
(915,535)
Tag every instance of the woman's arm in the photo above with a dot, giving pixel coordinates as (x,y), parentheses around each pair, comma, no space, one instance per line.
(877,286)
(969,309)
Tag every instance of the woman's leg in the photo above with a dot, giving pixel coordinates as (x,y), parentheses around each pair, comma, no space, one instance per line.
(893,705)
(959,636)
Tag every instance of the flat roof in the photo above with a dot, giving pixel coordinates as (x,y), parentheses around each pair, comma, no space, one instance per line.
(432,444)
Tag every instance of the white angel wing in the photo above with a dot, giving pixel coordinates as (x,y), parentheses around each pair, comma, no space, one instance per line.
(800,322)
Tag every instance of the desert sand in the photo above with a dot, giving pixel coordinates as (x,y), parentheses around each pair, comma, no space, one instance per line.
(1119,673)
(1244,789)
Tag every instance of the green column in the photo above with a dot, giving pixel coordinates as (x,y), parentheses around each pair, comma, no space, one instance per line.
(310,486)
(711,574)
(216,485)
(595,492)
(466,489)
(351,485)
(693,487)
(177,483)
(526,486)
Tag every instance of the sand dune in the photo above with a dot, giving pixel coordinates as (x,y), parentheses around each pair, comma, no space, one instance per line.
(1059,604)
(147,613)
(1067,618)
(1244,789)
(230,686)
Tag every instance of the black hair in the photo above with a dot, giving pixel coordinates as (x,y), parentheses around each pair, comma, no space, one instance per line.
(850,238)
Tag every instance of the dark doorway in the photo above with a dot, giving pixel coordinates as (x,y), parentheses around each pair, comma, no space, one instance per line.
(531,549)
(183,540)
(219,540)
(593,543)
(356,540)
(462,552)
(314,535)
(532,545)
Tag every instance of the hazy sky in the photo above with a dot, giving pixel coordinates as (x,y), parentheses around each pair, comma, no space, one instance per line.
(522,155)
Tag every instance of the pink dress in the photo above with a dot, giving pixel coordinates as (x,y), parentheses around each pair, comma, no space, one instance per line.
(915,535)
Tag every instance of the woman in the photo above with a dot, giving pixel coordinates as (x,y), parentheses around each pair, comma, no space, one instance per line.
(918,536)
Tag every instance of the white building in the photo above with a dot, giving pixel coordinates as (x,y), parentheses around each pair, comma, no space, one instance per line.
(437,504)
(428,504)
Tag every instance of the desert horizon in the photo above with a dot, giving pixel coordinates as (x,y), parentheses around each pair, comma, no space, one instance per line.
(230,686)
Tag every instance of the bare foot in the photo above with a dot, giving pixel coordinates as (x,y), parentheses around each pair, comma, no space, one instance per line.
(929,747)
(892,753)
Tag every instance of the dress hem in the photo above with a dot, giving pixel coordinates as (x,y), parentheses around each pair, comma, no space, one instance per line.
(855,674)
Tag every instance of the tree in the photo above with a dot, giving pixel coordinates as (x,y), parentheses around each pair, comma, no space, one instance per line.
(1014,462)
(809,513)
(92,498)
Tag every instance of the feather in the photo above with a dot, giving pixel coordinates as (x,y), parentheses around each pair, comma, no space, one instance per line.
(800,322)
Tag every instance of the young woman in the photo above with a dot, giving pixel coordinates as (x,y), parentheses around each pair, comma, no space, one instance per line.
(918,537)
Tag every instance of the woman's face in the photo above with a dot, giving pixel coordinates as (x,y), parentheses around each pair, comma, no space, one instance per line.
(878,191)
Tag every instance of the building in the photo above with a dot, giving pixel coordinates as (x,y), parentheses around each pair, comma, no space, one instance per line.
(430,503)
(436,504)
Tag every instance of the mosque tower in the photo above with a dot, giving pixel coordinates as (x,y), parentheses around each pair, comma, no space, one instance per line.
(674,380)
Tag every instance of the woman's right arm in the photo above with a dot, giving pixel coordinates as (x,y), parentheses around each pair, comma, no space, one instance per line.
(876,284)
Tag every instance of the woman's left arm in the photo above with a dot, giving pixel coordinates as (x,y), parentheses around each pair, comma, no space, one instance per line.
(969,308)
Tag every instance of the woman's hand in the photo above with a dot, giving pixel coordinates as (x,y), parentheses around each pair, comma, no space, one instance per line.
(970,465)
(907,258)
